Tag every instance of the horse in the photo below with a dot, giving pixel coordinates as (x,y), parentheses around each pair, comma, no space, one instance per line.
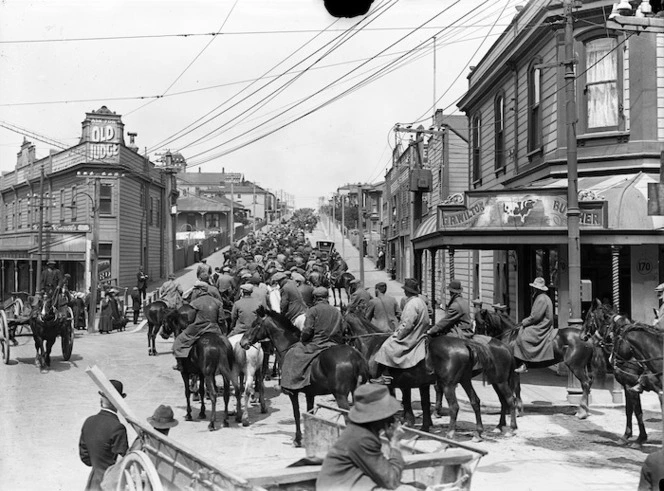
(453,361)
(155,313)
(341,282)
(338,370)
(634,350)
(250,364)
(568,347)
(210,355)
(46,322)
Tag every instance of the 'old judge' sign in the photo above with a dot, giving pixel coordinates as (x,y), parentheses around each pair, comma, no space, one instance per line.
(104,138)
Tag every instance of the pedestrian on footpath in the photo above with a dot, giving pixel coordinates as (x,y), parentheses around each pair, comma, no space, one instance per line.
(135,303)
(142,283)
(103,439)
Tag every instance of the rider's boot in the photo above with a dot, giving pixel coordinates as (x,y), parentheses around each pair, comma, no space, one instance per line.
(178,364)
(384,379)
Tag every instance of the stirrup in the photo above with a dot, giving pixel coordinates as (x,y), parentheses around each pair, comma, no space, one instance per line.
(521,369)
(638,388)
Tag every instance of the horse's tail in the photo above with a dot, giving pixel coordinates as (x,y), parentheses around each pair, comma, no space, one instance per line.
(482,353)
(598,366)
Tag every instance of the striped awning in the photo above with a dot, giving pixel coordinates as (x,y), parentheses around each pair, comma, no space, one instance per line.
(427,227)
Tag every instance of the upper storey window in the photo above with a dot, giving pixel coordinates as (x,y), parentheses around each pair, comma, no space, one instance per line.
(534,107)
(602,85)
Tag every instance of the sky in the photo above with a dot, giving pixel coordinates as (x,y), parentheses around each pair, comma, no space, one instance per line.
(282,92)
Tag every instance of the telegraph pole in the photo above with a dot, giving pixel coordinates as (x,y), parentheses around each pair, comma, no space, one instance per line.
(253,211)
(360,223)
(94,258)
(573,212)
(343,224)
(231,228)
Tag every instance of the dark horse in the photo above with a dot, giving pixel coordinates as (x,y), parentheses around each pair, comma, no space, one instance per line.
(568,347)
(341,282)
(337,370)
(453,360)
(156,313)
(211,355)
(46,323)
(635,352)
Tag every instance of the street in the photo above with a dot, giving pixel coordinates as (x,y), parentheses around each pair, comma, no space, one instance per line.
(43,414)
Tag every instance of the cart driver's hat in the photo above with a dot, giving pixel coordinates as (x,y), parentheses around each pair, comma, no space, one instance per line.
(50,261)
(163,418)
(660,287)
(539,284)
(373,402)
(118,386)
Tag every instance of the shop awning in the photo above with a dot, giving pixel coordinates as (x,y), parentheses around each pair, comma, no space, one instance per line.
(614,208)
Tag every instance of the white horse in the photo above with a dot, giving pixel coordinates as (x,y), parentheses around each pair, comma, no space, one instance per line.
(250,364)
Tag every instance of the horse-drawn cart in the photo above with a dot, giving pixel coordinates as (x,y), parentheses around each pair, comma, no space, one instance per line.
(159,463)
(325,247)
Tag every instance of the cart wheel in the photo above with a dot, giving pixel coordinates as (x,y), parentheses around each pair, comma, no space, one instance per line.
(137,473)
(4,337)
(67,335)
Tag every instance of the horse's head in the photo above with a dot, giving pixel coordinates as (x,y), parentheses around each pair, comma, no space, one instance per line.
(258,331)
(598,324)
(48,310)
(492,324)
(482,322)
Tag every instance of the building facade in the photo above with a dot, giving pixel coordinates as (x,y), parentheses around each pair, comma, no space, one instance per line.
(512,216)
(47,209)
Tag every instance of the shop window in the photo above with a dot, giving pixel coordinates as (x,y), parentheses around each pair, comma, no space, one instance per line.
(601,83)
(105,199)
(534,107)
(476,132)
(499,131)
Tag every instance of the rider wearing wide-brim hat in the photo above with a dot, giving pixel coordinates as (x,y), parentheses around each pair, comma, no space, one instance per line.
(534,341)
(356,461)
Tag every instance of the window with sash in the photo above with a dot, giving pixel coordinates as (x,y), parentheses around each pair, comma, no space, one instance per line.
(476,136)
(499,131)
(534,107)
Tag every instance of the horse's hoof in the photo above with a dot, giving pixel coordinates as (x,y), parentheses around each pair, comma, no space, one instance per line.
(201,415)
(43,370)
(211,427)
(623,441)
(497,431)
(188,418)
(267,378)
(509,433)
(637,445)
(245,422)
(263,409)
(297,443)
(226,424)
(477,439)
(450,435)
(581,414)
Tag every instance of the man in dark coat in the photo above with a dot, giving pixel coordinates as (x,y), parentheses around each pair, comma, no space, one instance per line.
(209,318)
(322,329)
(534,341)
(244,310)
(359,298)
(383,310)
(292,305)
(305,289)
(135,303)
(103,439)
(225,281)
(51,278)
(456,321)
(142,282)
(356,460)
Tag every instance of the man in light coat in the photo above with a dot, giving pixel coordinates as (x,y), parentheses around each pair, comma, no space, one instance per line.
(534,341)
(407,346)
(171,292)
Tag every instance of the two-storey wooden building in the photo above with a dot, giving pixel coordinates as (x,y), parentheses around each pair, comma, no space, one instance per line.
(512,214)
(134,202)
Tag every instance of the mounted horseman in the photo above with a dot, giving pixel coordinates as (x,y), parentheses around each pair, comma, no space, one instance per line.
(456,321)
(291,303)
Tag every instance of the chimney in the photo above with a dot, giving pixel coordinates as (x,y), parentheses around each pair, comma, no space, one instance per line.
(199,170)
(168,159)
(27,154)
(132,142)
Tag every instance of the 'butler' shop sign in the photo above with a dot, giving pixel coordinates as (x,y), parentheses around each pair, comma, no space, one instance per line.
(519,211)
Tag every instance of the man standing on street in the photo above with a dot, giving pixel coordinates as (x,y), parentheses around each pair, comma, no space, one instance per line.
(103,439)
(383,310)
(142,283)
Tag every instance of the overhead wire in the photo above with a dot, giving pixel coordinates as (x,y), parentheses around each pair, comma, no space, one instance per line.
(337,41)
(189,65)
(336,80)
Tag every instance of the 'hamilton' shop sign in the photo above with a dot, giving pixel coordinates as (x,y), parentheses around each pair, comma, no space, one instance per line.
(519,211)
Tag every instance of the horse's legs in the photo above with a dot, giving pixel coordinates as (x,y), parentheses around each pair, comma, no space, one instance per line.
(408,415)
(201,394)
(439,400)
(227,397)
(187,393)
(506,398)
(516,392)
(425,397)
(49,347)
(310,401)
(576,359)
(297,441)
(467,385)
(212,393)
(39,351)
(638,412)
(258,380)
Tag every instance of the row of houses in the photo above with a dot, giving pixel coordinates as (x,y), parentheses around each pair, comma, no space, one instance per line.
(482,197)
(144,210)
